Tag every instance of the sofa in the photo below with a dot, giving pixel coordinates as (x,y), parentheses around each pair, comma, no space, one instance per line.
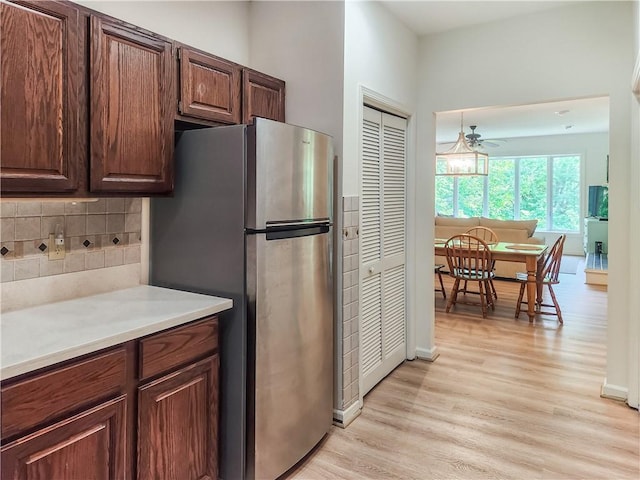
(516,231)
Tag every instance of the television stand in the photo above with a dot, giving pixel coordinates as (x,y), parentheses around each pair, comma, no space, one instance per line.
(595,231)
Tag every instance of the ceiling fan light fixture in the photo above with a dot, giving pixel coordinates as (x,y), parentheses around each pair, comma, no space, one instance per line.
(461,159)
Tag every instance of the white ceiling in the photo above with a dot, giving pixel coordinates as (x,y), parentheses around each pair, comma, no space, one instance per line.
(589,115)
(433,16)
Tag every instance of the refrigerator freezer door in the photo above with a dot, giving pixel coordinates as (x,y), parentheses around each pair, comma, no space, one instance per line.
(291,302)
(289,174)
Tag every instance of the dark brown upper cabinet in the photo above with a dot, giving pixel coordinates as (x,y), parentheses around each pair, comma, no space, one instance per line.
(90,103)
(262,96)
(41,96)
(132,109)
(209,87)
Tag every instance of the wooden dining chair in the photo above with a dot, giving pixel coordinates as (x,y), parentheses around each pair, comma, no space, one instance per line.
(548,275)
(438,271)
(490,238)
(469,260)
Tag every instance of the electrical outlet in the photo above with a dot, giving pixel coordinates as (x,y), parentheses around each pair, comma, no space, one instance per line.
(56,247)
(350,233)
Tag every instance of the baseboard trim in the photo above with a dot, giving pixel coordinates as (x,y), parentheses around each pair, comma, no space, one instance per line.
(428,355)
(614,392)
(342,418)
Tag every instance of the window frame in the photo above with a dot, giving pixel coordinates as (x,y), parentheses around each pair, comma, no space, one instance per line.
(549,189)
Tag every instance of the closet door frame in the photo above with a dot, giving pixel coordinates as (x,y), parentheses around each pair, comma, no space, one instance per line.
(383,260)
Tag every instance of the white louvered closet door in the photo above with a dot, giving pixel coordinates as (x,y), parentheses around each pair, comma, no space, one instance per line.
(382,246)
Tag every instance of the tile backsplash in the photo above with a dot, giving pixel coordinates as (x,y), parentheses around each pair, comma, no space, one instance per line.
(99,234)
(350,302)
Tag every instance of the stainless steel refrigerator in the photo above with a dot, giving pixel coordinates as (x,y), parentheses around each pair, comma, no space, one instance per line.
(251,219)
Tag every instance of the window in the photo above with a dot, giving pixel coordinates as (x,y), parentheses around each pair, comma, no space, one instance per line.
(546,188)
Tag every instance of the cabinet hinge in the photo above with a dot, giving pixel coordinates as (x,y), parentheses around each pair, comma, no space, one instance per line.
(179,106)
(178,54)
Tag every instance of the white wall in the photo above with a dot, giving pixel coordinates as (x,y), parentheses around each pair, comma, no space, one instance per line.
(636,25)
(380,60)
(634,228)
(302,43)
(584,49)
(380,54)
(217,27)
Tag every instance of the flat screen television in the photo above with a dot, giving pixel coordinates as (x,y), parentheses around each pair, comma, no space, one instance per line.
(598,206)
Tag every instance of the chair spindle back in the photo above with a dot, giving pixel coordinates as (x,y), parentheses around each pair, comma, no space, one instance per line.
(551,266)
(468,256)
(484,233)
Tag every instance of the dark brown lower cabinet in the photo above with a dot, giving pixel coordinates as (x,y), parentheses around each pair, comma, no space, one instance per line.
(178,426)
(77,420)
(89,445)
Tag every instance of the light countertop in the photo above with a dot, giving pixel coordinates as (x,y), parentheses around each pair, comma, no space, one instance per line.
(40,336)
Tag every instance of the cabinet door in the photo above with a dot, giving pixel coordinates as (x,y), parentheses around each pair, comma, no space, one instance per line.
(39,53)
(132,109)
(209,87)
(262,96)
(178,424)
(87,445)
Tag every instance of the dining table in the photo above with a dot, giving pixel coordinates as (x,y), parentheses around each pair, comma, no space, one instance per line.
(531,255)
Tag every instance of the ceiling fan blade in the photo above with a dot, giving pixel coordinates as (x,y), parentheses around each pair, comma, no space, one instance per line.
(494,142)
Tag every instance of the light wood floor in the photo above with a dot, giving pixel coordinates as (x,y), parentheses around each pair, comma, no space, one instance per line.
(505,399)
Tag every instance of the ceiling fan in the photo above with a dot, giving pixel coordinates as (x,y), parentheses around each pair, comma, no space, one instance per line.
(474,140)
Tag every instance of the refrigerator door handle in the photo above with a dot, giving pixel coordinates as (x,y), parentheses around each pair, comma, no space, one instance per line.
(298,224)
(279,234)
